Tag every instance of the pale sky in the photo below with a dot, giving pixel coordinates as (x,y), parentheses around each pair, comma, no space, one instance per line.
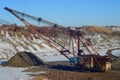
(66,12)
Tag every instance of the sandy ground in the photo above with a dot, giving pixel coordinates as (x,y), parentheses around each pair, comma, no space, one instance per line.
(68,74)
(71,75)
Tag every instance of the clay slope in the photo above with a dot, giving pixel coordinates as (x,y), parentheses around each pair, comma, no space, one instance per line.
(95,29)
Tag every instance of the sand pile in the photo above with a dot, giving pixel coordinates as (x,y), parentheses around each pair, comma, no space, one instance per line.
(24,59)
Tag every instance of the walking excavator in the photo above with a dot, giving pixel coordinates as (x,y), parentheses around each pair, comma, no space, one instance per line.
(88,60)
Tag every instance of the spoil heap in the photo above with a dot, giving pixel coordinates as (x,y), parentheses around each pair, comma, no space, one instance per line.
(24,59)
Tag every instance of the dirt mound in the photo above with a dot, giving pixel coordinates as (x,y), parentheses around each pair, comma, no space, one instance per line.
(24,59)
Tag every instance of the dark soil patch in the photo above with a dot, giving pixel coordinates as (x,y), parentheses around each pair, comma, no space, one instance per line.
(24,59)
(116,65)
